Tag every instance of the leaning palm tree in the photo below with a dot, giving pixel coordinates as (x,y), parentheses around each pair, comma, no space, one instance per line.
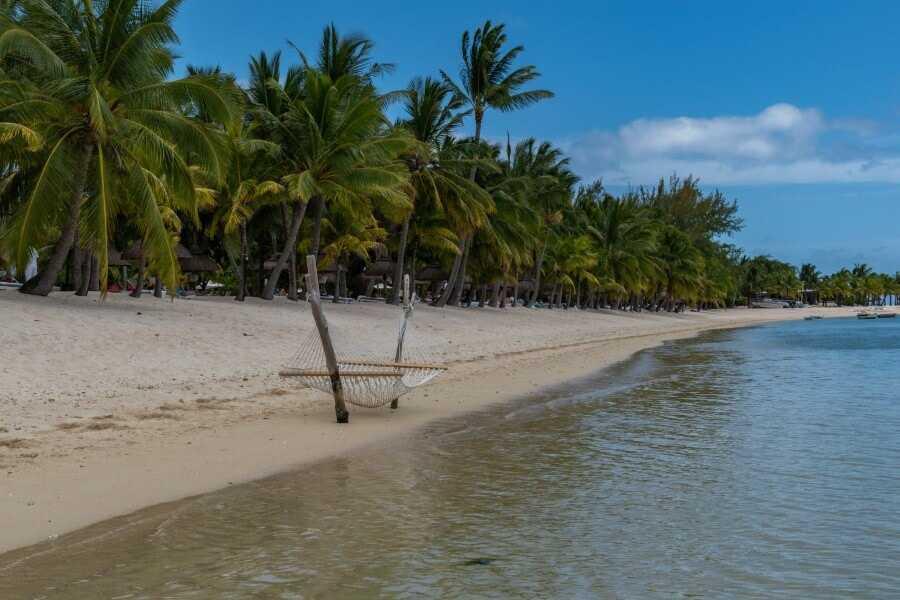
(432,115)
(338,149)
(91,79)
(487,80)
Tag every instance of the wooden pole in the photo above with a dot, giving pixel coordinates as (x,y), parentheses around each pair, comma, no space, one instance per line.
(331,363)
(407,309)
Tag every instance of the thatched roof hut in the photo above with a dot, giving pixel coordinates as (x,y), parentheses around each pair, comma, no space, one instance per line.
(431,274)
(382,267)
(116,259)
(198,263)
(136,251)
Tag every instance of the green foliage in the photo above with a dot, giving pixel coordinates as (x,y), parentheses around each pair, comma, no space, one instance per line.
(85,88)
(87,92)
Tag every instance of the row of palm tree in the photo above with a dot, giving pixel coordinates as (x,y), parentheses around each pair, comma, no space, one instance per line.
(103,148)
(859,285)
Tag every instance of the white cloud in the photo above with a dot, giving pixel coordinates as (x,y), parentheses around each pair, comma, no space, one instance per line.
(781,144)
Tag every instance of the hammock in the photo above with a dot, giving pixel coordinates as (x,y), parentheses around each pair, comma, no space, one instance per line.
(368,379)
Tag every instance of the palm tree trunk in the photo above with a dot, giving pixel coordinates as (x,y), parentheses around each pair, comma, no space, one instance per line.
(318,209)
(290,247)
(77,259)
(537,275)
(139,286)
(95,273)
(457,281)
(451,281)
(292,258)
(412,276)
(502,302)
(338,279)
(84,284)
(495,295)
(456,296)
(401,256)
(515,297)
(42,284)
(157,287)
(242,266)
(292,275)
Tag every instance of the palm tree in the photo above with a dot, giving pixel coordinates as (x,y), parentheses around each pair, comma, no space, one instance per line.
(357,235)
(432,115)
(809,276)
(626,242)
(487,80)
(91,79)
(345,55)
(546,181)
(337,149)
(681,266)
(249,184)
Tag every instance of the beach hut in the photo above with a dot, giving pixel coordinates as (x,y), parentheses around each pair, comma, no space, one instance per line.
(117,260)
(136,254)
(198,265)
(378,272)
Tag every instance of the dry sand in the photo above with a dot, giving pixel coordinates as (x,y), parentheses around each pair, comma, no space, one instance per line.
(109,407)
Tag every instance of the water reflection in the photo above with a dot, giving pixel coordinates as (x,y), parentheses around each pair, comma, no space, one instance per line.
(746,463)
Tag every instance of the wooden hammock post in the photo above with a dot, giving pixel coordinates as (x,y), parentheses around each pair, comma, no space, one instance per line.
(407,309)
(331,363)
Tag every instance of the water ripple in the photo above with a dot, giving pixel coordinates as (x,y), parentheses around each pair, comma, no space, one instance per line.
(755,464)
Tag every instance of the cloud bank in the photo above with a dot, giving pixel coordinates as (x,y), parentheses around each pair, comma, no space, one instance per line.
(780,144)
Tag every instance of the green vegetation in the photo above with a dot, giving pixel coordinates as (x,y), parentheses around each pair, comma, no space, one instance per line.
(102,150)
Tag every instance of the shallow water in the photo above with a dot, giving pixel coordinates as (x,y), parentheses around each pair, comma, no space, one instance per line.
(749,463)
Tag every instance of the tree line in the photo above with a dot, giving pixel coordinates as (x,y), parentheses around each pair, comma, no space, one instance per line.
(103,150)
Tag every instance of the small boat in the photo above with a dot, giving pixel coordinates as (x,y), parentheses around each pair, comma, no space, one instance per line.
(866,315)
(813,318)
(886,315)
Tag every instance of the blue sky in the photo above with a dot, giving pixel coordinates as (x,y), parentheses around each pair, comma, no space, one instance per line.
(792,108)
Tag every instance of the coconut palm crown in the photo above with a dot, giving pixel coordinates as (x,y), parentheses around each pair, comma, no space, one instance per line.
(90,79)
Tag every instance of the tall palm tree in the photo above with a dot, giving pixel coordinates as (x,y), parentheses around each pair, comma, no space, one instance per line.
(91,79)
(338,149)
(547,182)
(343,56)
(432,115)
(487,80)
(340,55)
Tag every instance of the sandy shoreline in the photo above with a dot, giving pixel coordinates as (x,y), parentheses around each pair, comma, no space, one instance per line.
(106,409)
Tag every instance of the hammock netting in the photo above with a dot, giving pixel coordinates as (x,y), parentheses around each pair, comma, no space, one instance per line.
(371,377)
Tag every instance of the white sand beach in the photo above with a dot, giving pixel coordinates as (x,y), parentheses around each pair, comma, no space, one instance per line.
(109,407)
